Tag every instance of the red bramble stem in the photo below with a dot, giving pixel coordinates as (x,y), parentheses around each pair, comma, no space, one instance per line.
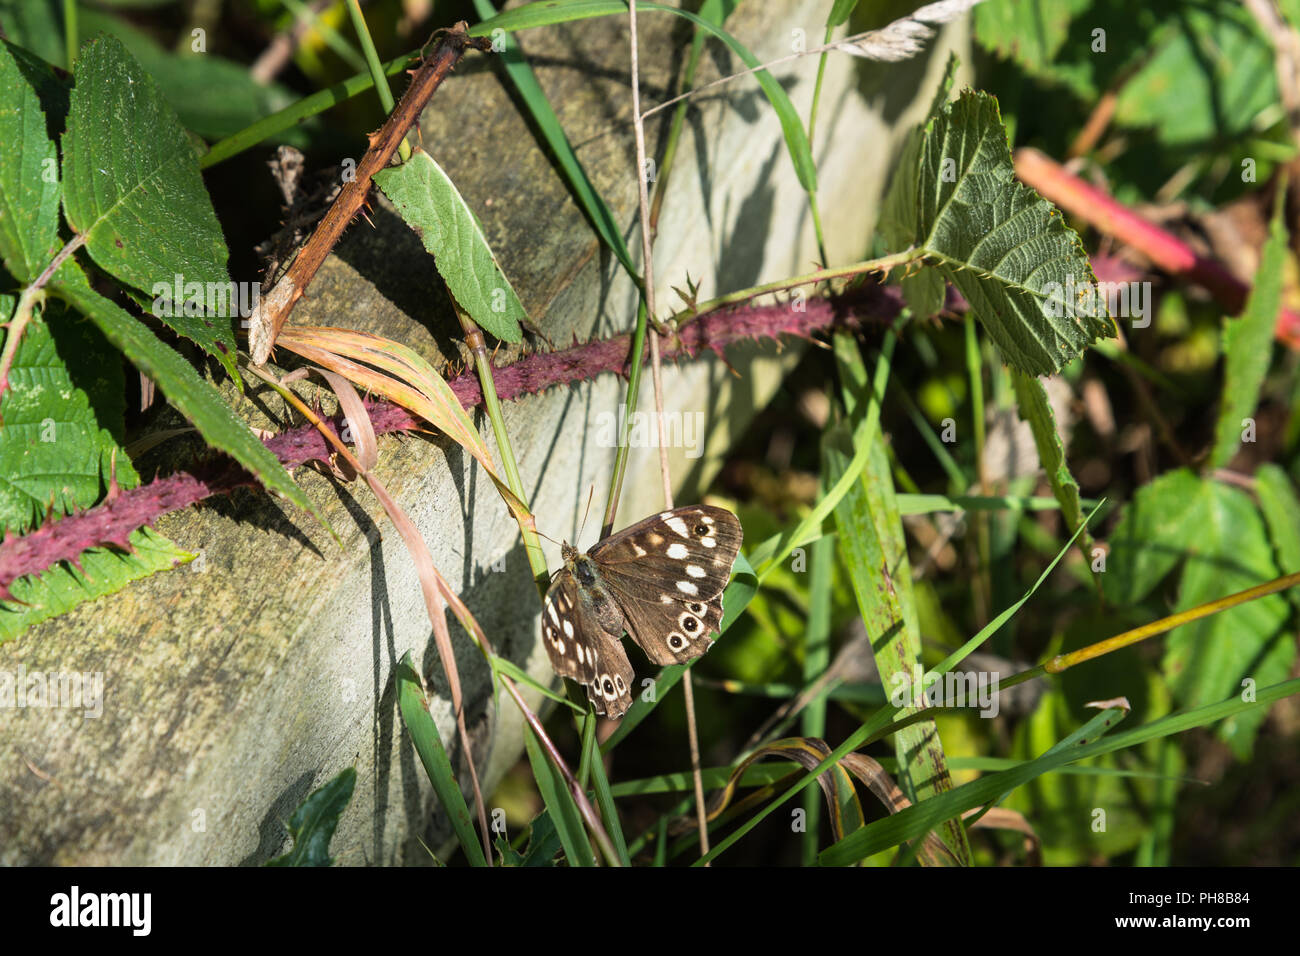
(111,522)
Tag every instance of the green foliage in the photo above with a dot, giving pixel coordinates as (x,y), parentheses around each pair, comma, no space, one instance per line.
(1216,531)
(1023,271)
(132,188)
(428,744)
(1248,342)
(99,571)
(313,824)
(56,451)
(434,208)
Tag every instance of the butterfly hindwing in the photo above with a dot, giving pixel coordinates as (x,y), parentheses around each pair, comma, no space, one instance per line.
(667,574)
(581,650)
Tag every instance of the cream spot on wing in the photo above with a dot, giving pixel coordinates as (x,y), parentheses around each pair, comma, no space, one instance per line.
(550,608)
(686,587)
(666,599)
(706,519)
(709,542)
(694,570)
(655,539)
(665,515)
(677,551)
(559,647)
(639,551)
(679,526)
(578,653)
(568,629)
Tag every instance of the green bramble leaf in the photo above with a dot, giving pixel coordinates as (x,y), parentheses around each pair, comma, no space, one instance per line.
(132,187)
(434,208)
(1217,534)
(1007,250)
(57,442)
(195,398)
(29,175)
(100,571)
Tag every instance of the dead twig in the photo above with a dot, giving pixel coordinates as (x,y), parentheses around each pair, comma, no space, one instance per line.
(273,309)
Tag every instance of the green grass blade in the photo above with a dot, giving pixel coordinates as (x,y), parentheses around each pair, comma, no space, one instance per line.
(559,802)
(1248,341)
(530,91)
(917,819)
(299,112)
(424,735)
(564,11)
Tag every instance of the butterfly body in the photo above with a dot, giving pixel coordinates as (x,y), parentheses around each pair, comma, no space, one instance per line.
(661,580)
(592,590)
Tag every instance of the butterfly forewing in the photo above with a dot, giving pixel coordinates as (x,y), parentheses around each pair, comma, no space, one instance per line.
(661,579)
(581,650)
(667,574)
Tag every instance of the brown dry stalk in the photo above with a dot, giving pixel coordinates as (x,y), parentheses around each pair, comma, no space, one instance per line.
(273,309)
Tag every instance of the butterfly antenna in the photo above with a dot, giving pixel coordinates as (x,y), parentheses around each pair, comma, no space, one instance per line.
(586,510)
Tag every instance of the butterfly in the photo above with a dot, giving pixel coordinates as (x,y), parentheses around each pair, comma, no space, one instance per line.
(661,580)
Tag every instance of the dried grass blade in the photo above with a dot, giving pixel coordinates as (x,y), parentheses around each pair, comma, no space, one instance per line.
(417,386)
(430,588)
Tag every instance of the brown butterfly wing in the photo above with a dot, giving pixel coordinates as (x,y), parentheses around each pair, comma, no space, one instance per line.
(581,650)
(668,573)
